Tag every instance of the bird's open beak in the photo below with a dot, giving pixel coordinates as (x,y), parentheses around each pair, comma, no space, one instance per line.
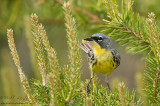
(89,39)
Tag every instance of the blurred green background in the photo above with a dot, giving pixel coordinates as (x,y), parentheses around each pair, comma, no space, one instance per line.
(89,14)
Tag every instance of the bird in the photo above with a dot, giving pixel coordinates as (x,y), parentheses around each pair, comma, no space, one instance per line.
(103,57)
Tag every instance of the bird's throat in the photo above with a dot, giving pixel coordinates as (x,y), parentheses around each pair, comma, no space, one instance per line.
(97,49)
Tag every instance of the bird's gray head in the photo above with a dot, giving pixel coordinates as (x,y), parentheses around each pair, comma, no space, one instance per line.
(103,40)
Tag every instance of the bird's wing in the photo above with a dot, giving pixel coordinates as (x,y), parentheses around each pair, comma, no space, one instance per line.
(116,57)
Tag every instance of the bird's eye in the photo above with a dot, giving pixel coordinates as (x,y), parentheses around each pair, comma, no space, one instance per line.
(100,39)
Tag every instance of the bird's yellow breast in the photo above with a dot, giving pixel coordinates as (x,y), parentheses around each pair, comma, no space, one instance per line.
(104,60)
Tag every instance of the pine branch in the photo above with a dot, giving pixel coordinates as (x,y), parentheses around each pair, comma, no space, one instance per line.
(125,27)
(75,61)
(154,41)
(130,30)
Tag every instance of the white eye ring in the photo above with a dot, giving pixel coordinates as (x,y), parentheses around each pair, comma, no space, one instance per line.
(100,39)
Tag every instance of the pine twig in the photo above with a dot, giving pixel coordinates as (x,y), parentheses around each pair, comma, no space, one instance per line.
(15,56)
(121,90)
(88,102)
(71,33)
(53,61)
(37,42)
(156,84)
(53,94)
(30,43)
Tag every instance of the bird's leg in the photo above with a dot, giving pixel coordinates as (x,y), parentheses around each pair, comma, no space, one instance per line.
(87,88)
(107,80)
(109,87)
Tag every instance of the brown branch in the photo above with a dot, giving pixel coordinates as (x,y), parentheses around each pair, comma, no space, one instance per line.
(156,84)
(136,35)
(60,2)
(52,21)
(93,17)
